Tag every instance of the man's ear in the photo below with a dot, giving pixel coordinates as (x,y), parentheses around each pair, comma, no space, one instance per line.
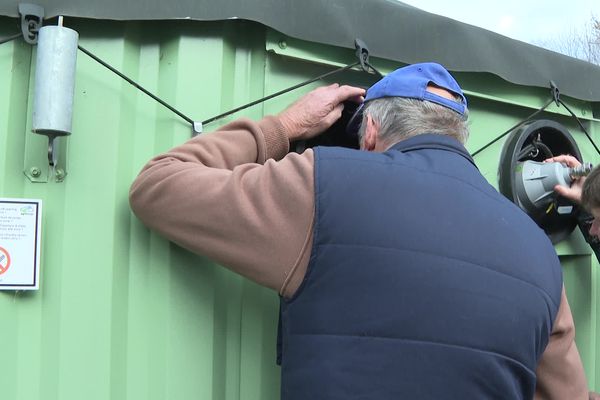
(371,133)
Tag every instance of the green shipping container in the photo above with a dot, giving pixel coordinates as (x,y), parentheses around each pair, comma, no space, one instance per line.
(122,313)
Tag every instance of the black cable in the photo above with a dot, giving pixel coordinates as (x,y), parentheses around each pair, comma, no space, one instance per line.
(208,121)
(130,81)
(513,128)
(363,55)
(580,125)
(188,119)
(8,39)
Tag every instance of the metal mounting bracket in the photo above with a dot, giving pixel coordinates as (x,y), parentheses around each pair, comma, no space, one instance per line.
(362,53)
(196,128)
(32,19)
(555,93)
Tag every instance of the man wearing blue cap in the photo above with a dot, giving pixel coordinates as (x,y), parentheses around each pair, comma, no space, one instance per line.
(402,273)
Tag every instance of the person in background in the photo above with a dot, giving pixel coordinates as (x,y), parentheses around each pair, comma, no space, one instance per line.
(584,191)
(402,273)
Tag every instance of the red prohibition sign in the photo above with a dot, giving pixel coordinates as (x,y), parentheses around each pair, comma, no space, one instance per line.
(4,260)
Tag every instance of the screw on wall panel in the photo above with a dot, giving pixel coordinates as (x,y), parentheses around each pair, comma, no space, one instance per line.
(60,175)
(282,44)
(35,172)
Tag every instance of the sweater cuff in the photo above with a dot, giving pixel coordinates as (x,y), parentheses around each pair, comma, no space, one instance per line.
(277,144)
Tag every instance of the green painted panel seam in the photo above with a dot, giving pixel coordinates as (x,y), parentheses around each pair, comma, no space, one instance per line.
(551,109)
(16,66)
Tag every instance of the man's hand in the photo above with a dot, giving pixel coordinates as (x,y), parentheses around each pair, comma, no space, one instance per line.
(317,110)
(574,192)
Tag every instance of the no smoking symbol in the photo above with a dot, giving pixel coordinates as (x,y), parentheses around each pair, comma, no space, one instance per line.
(4,260)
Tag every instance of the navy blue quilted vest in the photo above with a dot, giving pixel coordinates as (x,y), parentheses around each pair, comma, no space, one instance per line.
(424,282)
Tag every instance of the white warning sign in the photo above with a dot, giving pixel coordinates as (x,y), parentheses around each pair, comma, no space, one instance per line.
(20,234)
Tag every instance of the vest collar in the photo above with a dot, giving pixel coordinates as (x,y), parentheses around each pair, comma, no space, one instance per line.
(432,141)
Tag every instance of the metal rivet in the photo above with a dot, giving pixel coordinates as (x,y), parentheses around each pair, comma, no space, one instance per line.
(60,175)
(282,44)
(35,172)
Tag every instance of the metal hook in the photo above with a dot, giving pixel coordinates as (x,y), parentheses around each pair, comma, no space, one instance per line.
(32,19)
(51,152)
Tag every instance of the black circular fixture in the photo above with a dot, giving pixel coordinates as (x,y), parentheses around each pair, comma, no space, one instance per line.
(536,141)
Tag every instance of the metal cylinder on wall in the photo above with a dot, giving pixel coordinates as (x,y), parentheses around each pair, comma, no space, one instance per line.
(54,83)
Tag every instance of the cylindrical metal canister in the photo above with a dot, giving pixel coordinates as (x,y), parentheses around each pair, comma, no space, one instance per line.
(54,81)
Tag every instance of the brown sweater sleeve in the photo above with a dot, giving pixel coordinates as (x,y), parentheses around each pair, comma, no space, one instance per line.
(237,198)
(560,374)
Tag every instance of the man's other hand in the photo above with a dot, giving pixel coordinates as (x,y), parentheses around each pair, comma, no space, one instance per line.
(572,193)
(316,111)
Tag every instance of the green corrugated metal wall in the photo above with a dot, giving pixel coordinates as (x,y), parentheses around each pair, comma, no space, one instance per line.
(123,314)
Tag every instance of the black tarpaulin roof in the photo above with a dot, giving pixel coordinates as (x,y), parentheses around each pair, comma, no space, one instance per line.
(391,29)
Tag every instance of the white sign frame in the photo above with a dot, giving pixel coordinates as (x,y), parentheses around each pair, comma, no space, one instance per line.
(20,243)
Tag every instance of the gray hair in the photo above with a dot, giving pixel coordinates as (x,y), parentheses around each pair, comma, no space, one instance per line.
(400,118)
(590,193)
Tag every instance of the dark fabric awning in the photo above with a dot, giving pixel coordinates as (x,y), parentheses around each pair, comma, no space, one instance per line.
(391,29)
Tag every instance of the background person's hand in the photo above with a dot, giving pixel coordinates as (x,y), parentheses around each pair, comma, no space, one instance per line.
(317,110)
(572,193)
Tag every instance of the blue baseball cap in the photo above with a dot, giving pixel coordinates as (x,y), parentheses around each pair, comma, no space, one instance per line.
(411,82)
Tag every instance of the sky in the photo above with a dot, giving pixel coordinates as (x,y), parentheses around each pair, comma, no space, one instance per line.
(530,21)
